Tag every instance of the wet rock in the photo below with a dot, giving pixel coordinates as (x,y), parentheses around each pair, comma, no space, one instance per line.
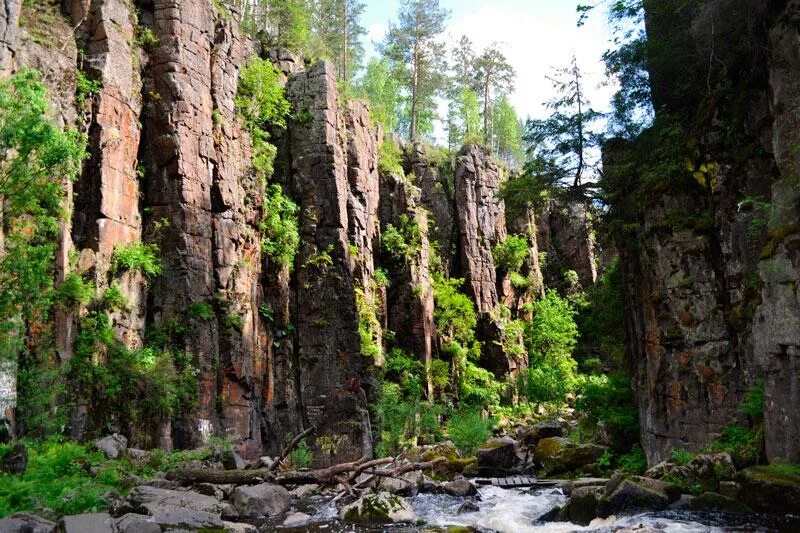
(770,490)
(296,519)
(112,446)
(558,455)
(186,518)
(26,523)
(137,523)
(454,463)
(468,507)
(304,491)
(261,500)
(152,500)
(582,506)
(627,496)
(711,501)
(705,470)
(497,453)
(239,527)
(460,487)
(530,437)
(265,462)
(407,485)
(15,461)
(731,489)
(84,523)
(380,508)
(234,461)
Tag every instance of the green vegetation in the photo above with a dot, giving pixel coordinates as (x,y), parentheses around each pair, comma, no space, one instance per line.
(261,105)
(390,159)
(114,299)
(301,456)
(404,240)
(137,256)
(84,88)
(510,254)
(369,327)
(281,233)
(609,399)
(468,429)
(201,310)
(74,291)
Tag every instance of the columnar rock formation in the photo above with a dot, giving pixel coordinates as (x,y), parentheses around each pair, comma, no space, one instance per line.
(711,272)
(274,349)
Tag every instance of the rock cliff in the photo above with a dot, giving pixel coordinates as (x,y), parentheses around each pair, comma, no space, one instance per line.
(710,255)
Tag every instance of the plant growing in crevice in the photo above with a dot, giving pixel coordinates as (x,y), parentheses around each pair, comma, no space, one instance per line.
(137,256)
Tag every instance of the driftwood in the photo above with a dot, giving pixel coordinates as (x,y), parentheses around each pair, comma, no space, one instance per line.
(344,474)
(289,447)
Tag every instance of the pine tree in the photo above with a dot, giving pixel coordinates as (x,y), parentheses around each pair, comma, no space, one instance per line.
(418,54)
(494,74)
(338,30)
(507,132)
(565,140)
(382,90)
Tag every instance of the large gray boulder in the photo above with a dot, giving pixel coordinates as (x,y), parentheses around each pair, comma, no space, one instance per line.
(152,501)
(582,506)
(261,500)
(460,487)
(497,453)
(86,523)
(137,523)
(380,508)
(26,523)
(625,496)
(559,455)
(112,446)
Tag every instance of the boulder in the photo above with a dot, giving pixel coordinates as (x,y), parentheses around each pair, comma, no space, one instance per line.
(193,520)
(135,454)
(711,501)
(90,522)
(624,495)
(454,463)
(112,446)
(137,523)
(559,455)
(468,507)
(497,453)
(582,506)
(380,508)
(770,489)
(304,491)
(704,470)
(261,500)
(296,519)
(26,523)
(233,461)
(672,490)
(406,485)
(152,500)
(530,437)
(460,487)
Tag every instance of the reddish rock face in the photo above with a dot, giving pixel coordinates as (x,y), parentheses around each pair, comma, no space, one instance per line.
(481,223)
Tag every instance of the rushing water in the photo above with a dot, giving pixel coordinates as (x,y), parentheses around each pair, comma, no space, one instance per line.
(517,510)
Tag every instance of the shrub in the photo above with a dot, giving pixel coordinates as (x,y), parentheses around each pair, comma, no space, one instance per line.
(601,322)
(281,233)
(545,384)
(753,404)
(200,309)
(381,277)
(454,313)
(552,333)
(261,104)
(681,457)
(744,445)
(390,159)
(403,241)
(74,291)
(114,299)
(439,373)
(633,462)
(510,254)
(301,456)
(469,429)
(609,399)
(403,419)
(137,256)
(369,326)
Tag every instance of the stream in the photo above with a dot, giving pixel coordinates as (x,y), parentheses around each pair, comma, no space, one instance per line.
(517,510)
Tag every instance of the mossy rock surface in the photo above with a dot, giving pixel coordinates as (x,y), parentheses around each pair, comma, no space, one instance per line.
(380,508)
(771,489)
(711,501)
(558,455)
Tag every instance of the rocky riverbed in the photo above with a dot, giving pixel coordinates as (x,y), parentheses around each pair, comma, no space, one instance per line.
(435,488)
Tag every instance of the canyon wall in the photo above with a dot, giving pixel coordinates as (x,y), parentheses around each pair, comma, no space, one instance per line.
(709,252)
(274,349)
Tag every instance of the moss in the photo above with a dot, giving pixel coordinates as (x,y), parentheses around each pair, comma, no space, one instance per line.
(775,237)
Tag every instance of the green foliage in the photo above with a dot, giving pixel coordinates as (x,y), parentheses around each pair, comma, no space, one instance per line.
(261,104)
(145,37)
(468,429)
(682,457)
(510,254)
(602,322)
(201,310)
(404,240)
(381,89)
(390,159)
(743,444)
(280,227)
(369,327)
(403,419)
(42,20)
(137,256)
(84,88)
(37,158)
(320,259)
(633,462)
(301,456)
(113,298)
(609,399)
(381,277)
(439,374)
(508,132)
(58,478)
(468,128)
(753,404)
(74,291)
(291,20)
(454,313)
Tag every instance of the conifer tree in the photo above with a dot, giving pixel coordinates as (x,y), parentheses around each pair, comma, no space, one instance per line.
(495,74)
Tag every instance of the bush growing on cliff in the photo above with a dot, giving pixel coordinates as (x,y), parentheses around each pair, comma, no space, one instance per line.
(609,399)
(138,256)
(510,254)
(261,105)
(281,232)
(390,159)
(402,241)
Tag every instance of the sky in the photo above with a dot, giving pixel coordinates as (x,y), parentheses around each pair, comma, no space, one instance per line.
(535,35)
